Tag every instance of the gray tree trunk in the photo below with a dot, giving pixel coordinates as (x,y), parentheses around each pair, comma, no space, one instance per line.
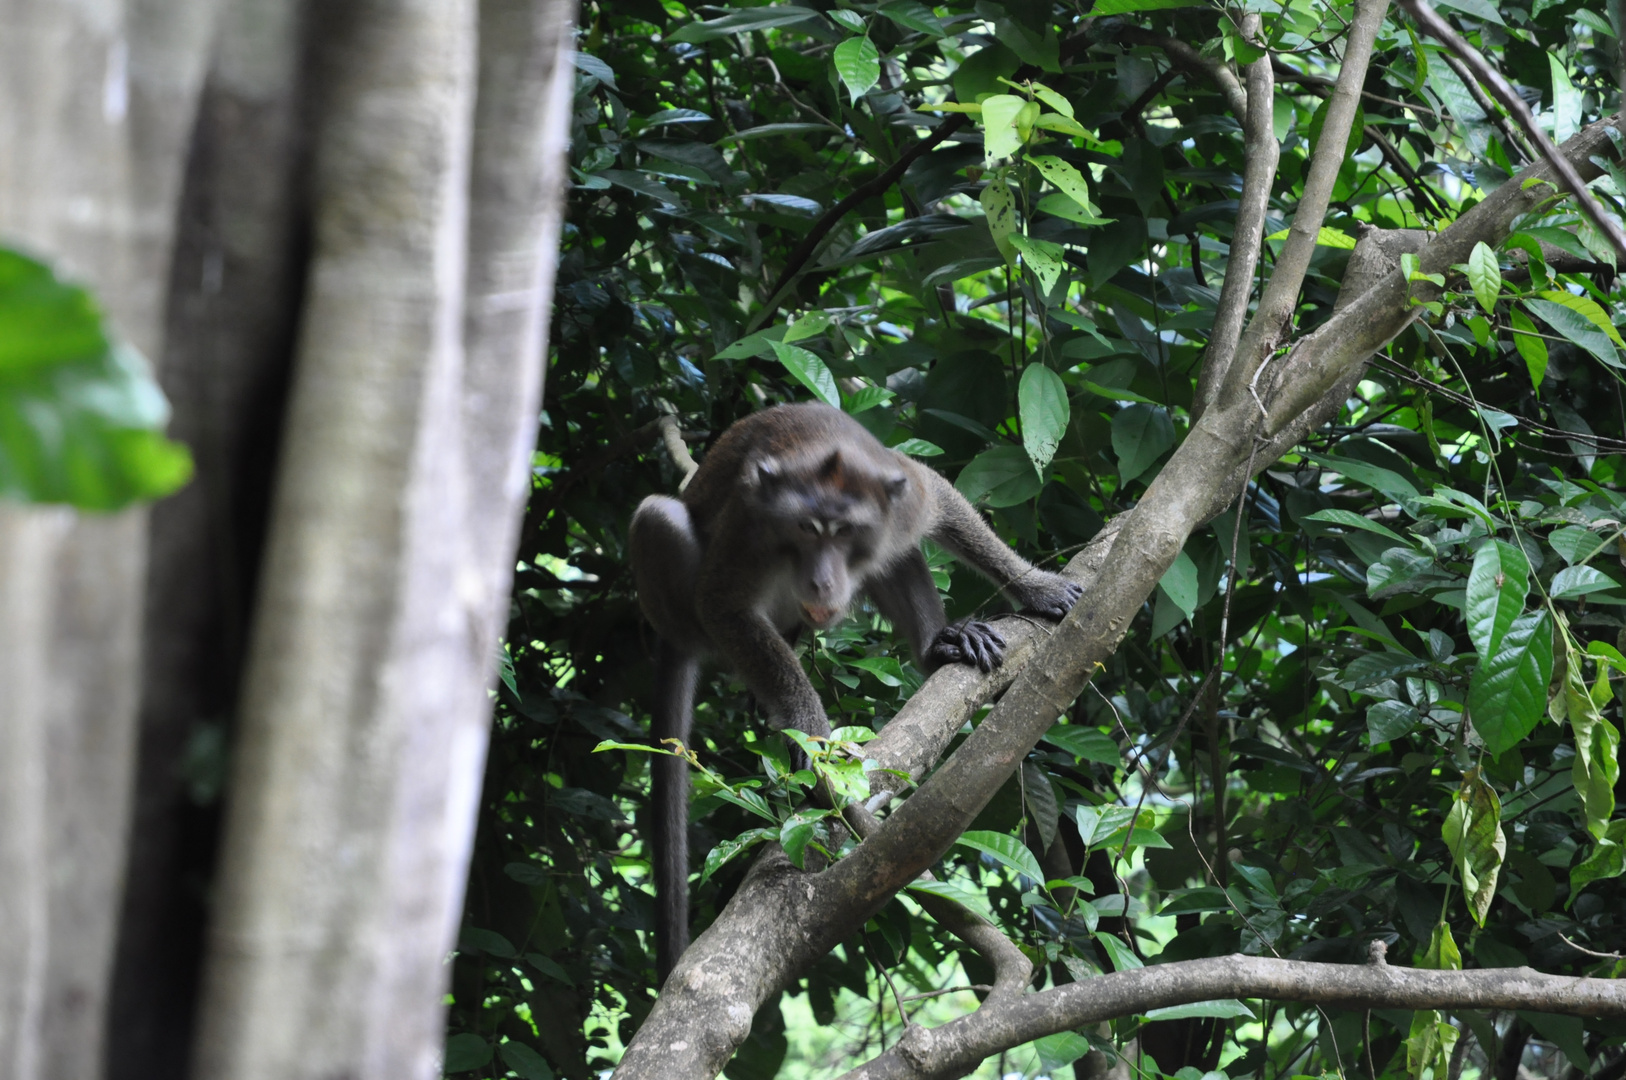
(96,104)
(157,152)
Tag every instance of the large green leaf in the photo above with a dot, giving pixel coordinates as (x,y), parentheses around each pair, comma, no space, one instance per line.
(808,370)
(1006,850)
(1045,411)
(858,62)
(1497,587)
(81,420)
(1507,694)
(1140,435)
(1003,476)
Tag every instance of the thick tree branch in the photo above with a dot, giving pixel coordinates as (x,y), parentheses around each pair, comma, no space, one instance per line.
(955,1048)
(1262,153)
(1430,21)
(782,920)
(1270,320)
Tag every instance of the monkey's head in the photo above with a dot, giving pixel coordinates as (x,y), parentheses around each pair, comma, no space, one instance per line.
(829,517)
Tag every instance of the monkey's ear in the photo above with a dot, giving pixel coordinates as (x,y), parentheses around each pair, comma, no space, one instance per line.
(896,486)
(831,468)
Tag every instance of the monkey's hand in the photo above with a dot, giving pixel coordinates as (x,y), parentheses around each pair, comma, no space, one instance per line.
(1044,593)
(968,642)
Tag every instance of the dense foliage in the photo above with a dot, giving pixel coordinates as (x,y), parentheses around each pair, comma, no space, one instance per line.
(1412,729)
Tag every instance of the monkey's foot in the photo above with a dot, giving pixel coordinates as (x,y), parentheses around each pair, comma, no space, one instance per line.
(1047,594)
(968,642)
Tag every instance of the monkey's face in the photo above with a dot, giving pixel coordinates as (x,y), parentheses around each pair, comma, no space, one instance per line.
(826,520)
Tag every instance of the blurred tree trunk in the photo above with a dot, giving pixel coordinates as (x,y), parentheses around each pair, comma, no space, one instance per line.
(158,153)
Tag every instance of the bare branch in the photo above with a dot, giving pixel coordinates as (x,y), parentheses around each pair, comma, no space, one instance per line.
(1270,321)
(955,1048)
(1429,20)
(1262,153)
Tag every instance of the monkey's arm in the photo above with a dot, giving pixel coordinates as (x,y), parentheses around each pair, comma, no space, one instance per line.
(960,529)
(752,646)
(906,594)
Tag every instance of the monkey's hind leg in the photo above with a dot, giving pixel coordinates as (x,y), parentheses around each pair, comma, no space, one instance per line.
(676,675)
(665,555)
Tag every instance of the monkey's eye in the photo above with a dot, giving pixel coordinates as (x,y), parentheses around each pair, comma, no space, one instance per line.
(811,526)
(841,528)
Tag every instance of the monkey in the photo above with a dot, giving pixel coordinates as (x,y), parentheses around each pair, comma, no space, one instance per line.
(795,512)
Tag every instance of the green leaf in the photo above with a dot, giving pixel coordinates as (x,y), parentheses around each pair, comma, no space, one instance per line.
(1575,544)
(1006,850)
(1576,325)
(858,62)
(1224,1009)
(1507,694)
(1578,581)
(1064,206)
(1085,743)
(913,15)
(1000,137)
(1389,720)
(1597,748)
(1000,207)
(465,1052)
(1484,276)
(1045,411)
(1586,307)
(1066,178)
(766,131)
(740,22)
(723,852)
(1051,98)
(1497,587)
(808,370)
(1530,344)
(1043,257)
(1003,476)
(797,831)
(974,899)
(1379,479)
(1179,582)
(1059,1050)
(918,448)
(1124,7)
(1442,953)
(1140,435)
(1356,521)
(885,668)
(1473,832)
(529,1064)
(1607,860)
(1122,956)
(850,19)
(1566,100)
(44,322)
(1096,824)
(812,324)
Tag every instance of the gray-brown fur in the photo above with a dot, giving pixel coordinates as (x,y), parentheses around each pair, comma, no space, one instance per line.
(794,512)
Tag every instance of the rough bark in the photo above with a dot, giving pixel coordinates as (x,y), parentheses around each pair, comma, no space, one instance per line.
(123,77)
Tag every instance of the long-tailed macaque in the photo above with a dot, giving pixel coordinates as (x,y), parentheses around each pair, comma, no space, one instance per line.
(795,511)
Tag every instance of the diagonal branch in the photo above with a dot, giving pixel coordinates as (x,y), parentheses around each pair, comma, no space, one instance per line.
(1429,20)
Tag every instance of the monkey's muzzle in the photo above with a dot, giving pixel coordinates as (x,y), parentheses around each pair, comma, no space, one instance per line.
(820,617)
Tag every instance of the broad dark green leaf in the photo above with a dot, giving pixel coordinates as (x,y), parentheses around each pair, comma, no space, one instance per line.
(1507,694)
(1140,435)
(1497,586)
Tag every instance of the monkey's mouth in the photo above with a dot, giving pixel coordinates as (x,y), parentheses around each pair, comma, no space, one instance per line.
(820,617)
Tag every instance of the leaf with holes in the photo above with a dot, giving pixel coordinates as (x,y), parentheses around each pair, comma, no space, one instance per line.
(1043,257)
(1000,207)
(1473,832)
(1000,137)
